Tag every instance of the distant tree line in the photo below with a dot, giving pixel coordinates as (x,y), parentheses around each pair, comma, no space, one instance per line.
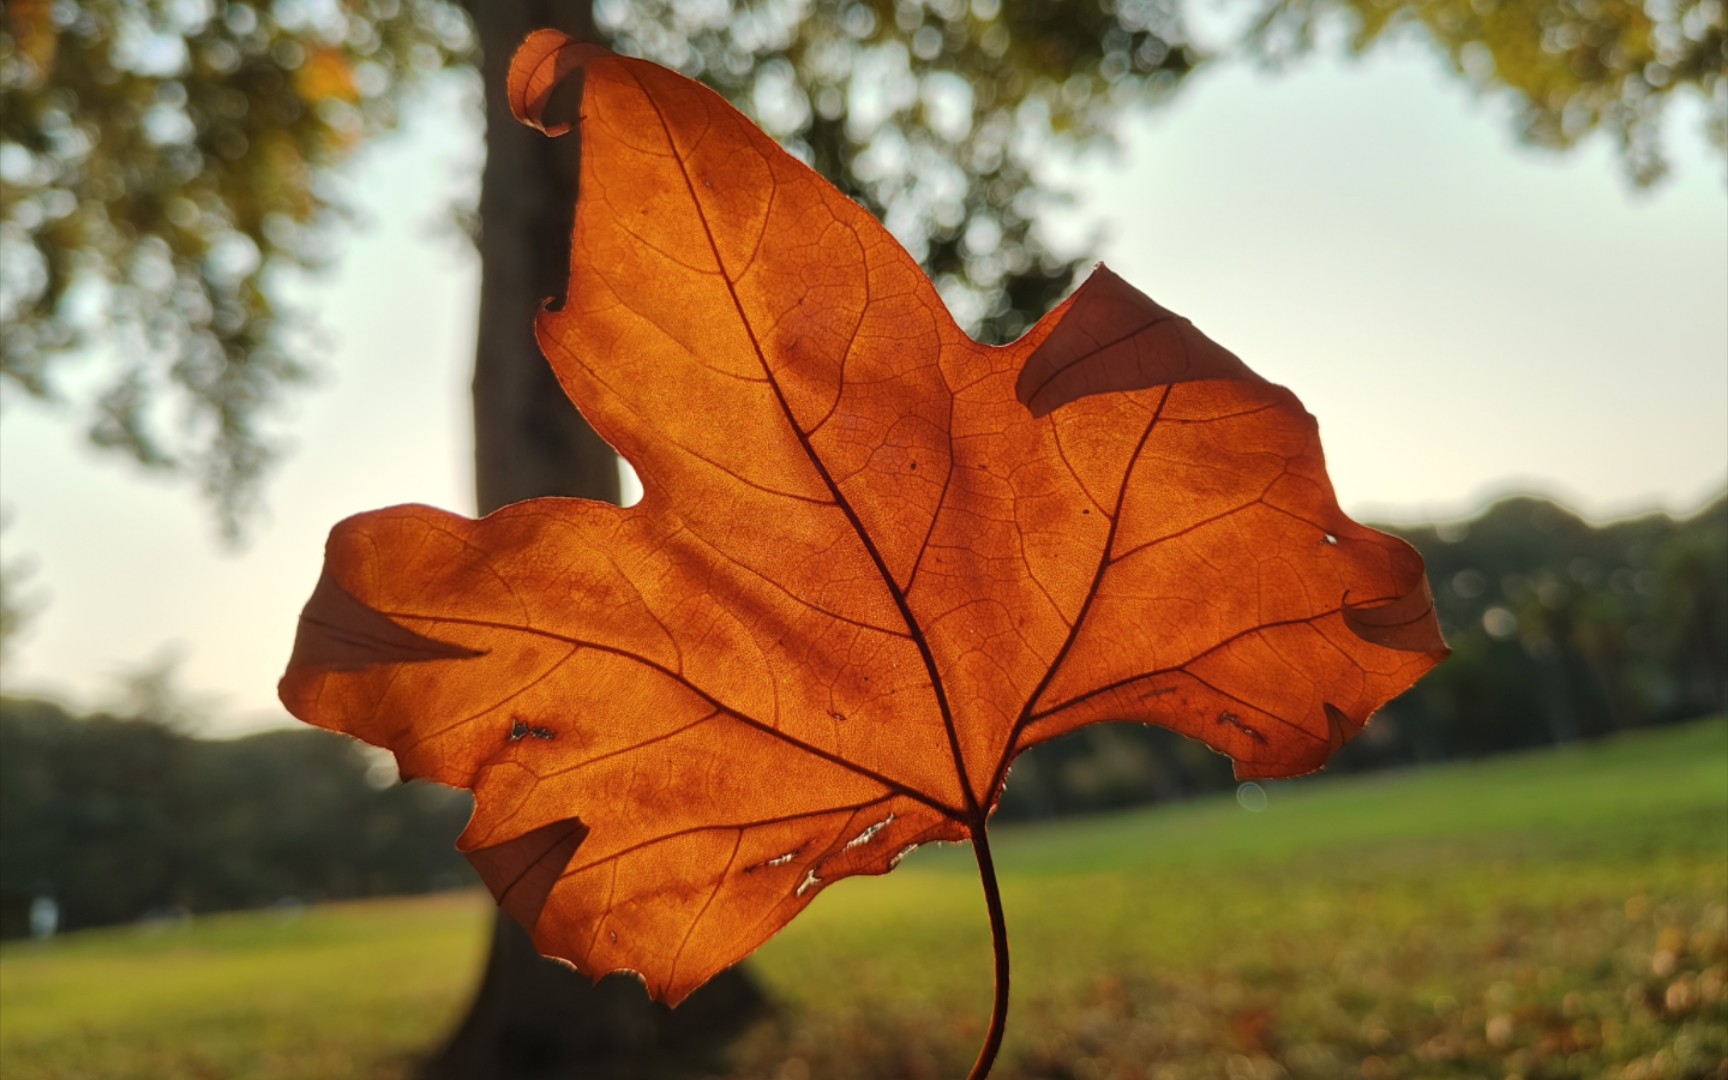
(117,819)
(1564,631)
(1561,630)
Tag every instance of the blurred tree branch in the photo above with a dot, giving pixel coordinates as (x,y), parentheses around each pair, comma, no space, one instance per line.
(163,165)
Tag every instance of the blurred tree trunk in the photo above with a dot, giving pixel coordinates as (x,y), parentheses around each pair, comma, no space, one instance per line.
(532,1017)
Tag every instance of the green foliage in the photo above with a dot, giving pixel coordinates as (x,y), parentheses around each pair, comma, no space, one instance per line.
(1569,67)
(121,818)
(1555,915)
(163,165)
(1564,630)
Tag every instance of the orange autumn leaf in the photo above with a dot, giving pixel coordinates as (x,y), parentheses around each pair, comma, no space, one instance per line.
(874,560)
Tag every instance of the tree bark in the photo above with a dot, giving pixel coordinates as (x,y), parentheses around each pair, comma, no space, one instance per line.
(528,440)
(532,1017)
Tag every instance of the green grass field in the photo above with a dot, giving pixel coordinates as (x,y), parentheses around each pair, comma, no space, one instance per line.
(1557,915)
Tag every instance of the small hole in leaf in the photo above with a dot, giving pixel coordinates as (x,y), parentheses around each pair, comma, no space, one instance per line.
(520,729)
(1330,539)
(869,834)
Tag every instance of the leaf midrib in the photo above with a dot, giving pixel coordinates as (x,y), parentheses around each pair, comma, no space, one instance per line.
(973,815)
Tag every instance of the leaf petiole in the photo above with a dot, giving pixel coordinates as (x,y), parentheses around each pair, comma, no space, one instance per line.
(999,943)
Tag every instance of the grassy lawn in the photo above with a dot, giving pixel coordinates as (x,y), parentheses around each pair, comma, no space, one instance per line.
(1556,915)
(339,990)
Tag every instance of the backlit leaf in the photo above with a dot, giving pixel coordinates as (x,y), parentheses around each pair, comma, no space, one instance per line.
(874,560)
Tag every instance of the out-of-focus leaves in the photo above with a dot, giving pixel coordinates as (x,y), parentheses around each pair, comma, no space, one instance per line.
(163,164)
(160,166)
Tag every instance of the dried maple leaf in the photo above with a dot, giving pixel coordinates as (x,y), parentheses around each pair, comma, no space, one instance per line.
(873,562)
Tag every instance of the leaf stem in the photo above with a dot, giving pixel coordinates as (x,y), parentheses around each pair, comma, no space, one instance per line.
(999,942)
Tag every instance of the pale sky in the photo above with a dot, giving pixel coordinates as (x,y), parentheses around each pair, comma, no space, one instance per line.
(1466,317)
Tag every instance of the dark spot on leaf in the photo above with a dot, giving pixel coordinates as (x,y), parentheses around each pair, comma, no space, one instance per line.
(1230,719)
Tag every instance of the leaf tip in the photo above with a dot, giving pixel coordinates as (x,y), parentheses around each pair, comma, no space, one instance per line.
(1111,337)
(340,632)
(1408,621)
(540,65)
(521,872)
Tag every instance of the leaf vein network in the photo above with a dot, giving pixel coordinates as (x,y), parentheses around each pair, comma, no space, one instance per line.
(974,812)
(682,680)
